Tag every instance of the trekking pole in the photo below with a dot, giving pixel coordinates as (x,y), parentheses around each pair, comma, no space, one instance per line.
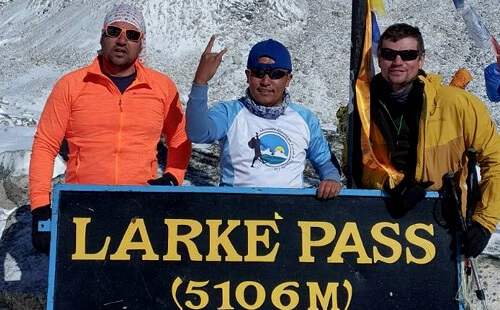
(473,191)
(452,196)
(473,196)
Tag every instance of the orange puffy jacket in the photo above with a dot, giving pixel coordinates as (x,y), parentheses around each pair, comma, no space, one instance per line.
(112,137)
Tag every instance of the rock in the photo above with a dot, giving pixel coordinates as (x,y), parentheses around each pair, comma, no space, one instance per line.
(16,190)
(5,202)
(23,270)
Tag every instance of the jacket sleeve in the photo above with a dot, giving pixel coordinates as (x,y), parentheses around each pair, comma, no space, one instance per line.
(46,143)
(202,125)
(481,134)
(492,81)
(174,129)
(319,153)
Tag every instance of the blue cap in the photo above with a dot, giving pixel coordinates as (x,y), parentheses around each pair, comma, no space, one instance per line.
(272,49)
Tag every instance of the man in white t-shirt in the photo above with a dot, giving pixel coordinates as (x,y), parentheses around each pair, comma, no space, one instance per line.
(288,133)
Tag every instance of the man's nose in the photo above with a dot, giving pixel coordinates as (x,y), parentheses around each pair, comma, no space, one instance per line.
(398,60)
(122,38)
(265,79)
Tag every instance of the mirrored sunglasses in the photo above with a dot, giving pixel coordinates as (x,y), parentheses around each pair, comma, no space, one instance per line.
(274,74)
(130,34)
(406,55)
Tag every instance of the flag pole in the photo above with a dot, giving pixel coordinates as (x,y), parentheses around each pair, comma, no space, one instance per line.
(353,154)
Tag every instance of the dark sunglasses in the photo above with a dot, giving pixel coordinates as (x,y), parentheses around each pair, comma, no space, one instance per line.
(406,55)
(115,32)
(274,74)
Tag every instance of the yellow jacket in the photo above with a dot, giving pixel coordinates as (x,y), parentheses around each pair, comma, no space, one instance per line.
(452,120)
(112,137)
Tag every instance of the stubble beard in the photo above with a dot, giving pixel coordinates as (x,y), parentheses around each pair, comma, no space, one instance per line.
(120,61)
(117,60)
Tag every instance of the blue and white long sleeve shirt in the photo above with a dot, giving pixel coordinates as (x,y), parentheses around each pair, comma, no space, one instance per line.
(260,152)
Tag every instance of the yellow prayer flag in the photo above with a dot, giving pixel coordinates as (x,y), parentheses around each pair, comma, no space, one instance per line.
(377,6)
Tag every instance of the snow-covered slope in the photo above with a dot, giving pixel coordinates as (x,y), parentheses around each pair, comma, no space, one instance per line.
(40,40)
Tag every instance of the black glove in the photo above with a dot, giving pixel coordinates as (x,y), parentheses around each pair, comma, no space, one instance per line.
(474,240)
(167,180)
(409,192)
(40,239)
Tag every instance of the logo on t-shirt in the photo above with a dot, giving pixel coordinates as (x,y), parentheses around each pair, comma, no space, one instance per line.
(271,147)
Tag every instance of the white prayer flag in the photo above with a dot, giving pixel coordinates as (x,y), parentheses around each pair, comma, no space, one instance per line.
(476,28)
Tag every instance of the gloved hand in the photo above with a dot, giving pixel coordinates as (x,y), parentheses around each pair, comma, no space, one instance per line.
(40,239)
(167,180)
(409,192)
(474,240)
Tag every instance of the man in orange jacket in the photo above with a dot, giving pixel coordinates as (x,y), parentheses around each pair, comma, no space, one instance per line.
(112,113)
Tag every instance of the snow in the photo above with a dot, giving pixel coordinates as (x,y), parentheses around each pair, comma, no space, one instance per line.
(41,40)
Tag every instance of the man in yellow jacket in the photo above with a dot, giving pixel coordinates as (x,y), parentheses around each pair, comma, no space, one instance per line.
(112,114)
(419,130)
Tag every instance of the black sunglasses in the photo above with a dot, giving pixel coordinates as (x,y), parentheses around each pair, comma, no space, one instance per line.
(274,74)
(406,55)
(130,34)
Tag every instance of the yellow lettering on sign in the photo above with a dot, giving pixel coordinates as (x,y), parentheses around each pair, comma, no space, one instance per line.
(137,225)
(330,295)
(350,231)
(222,240)
(258,298)
(394,245)
(428,247)
(80,242)
(254,239)
(285,289)
(174,238)
(307,242)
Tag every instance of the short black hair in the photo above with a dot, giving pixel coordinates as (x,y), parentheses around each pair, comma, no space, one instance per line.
(400,31)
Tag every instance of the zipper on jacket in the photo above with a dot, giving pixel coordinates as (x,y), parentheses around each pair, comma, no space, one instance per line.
(77,165)
(119,143)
